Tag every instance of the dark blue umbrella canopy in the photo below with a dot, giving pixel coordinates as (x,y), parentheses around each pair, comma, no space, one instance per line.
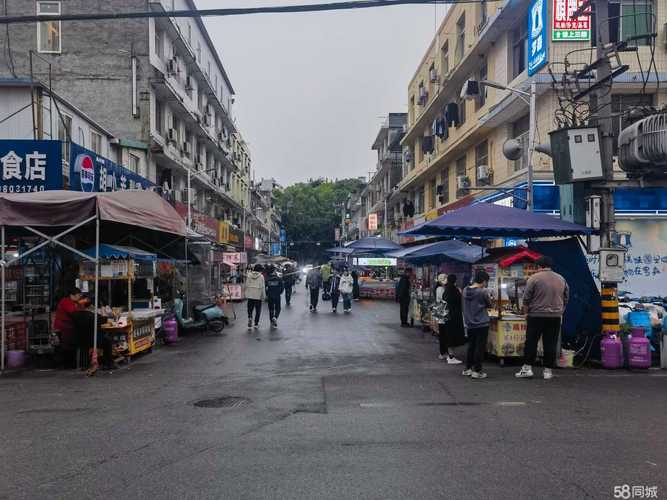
(373,244)
(440,250)
(486,220)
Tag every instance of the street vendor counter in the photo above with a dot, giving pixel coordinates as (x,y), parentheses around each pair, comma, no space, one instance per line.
(507,336)
(133,333)
(377,289)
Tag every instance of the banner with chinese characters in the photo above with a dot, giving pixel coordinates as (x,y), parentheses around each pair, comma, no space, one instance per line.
(29,166)
(203,224)
(537,36)
(372,222)
(645,260)
(90,172)
(566,29)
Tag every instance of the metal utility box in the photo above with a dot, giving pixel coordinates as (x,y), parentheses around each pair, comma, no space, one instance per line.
(576,154)
(573,203)
(612,265)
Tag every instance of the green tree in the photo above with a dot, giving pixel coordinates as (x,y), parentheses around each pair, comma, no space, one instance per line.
(311,212)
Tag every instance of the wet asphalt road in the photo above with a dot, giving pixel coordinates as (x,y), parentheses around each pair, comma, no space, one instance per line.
(345,406)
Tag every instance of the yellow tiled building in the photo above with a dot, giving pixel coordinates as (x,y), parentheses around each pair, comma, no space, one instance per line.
(489,41)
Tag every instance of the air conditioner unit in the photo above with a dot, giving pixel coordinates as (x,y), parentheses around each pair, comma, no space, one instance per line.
(462,182)
(187,149)
(172,135)
(483,173)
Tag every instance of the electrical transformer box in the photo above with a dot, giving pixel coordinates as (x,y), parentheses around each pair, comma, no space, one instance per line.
(576,155)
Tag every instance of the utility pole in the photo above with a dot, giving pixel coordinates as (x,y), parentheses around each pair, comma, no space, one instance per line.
(603,106)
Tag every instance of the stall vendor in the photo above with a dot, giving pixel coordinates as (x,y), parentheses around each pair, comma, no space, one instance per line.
(84,324)
(64,322)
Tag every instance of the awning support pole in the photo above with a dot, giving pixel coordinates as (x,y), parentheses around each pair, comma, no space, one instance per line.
(97,290)
(2,265)
(54,240)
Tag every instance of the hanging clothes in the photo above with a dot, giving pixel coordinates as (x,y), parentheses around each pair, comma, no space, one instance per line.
(452,114)
(441,128)
(427,144)
(434,127)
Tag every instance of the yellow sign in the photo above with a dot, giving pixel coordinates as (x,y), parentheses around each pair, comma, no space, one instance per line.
(223,232)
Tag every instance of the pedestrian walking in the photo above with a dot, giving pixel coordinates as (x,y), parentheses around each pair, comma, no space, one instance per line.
(450,328)
(274,291)
(314,283)
(544,302)
(289,280)
(346,289)
(403,296)
(355,284)
(334,290)
(476,301)
(255,292)
(326,272)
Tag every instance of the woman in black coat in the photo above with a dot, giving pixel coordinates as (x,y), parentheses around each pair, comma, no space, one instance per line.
(452,332)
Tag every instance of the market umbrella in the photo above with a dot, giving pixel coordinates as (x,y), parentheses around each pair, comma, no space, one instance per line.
(441,250)
(373,245)
(340,250)
(486,220)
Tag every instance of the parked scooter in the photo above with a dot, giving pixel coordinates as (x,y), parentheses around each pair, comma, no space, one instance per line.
(212,315)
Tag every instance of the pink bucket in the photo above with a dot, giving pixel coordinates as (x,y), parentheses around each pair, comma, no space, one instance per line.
(15,359)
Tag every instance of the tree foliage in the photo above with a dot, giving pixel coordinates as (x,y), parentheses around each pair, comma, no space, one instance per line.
(311,211)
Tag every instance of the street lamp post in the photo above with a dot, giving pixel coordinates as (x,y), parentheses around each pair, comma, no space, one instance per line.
(529,98)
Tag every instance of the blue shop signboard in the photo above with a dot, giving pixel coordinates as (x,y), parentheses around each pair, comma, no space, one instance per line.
(275,249)
(537,36)
(29,166)
(90,172)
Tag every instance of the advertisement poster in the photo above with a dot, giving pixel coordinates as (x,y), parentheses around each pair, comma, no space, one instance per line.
(90,172)
(375,261)
(372,222)
(30,166)
(203,224)
(537,36)
(566,29)
(235,258)
(646,259)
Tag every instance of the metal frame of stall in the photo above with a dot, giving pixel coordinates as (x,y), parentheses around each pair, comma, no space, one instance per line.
(49,240)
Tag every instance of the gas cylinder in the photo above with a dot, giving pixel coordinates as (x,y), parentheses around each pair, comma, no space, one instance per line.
(170,326)
(611,348)
(639,349)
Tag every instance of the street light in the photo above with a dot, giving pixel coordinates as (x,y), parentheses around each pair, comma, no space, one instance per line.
(472,89)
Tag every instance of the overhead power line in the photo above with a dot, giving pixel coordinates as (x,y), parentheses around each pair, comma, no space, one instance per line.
(321,7)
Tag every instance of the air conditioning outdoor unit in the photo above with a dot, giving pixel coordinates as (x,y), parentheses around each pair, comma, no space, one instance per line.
(462,182)
(483,173)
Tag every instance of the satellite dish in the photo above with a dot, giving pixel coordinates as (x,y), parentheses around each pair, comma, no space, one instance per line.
(512,149)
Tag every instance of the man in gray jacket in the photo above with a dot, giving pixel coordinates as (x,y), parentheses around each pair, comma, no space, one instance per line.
(544,302)
(314,283)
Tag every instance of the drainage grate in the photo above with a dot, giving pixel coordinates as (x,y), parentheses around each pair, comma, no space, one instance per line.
(223,402)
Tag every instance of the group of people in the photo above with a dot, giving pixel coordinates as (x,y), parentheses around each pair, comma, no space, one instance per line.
(466,317)
(334,284)
(266,283)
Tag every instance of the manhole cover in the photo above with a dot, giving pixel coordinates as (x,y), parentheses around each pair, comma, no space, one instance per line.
(223,402)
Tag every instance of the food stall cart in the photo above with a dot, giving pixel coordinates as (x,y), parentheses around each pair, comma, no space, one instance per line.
(377,277)
(508,270)
(126,282)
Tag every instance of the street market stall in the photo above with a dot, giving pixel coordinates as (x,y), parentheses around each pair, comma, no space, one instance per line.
(54,215)
(127,279)
(489,221)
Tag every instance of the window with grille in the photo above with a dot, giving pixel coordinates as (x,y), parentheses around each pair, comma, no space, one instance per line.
(519,38)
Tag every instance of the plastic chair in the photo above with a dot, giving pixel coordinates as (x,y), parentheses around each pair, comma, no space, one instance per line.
(186,324)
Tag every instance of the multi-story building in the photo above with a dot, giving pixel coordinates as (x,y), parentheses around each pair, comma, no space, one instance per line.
(388,173)
(158,84)
(451,143)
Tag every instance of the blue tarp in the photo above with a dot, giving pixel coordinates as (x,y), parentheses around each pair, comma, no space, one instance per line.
(121,252)
(486,220)
(582,316)
(440,250)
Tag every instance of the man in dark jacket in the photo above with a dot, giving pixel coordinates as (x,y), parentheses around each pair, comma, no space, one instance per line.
(289,279)
(314,283)
(274,289)
(403,296)
(334,290)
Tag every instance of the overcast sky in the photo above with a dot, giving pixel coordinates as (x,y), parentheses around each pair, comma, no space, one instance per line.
(313,88)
